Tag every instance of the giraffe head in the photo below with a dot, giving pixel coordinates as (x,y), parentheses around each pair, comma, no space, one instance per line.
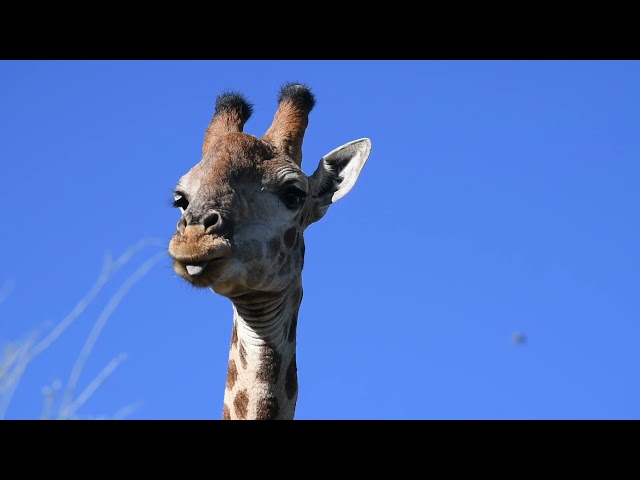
(246,204)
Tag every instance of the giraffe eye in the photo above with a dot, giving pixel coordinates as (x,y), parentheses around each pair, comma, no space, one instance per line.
(179,201)
(293,197)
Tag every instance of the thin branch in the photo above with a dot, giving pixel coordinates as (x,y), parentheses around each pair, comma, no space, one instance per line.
(91,340)
(15,364)
(108,269)
(86,394)
(10,362)
(49,394)
(17,369)
(11,354)
(126,411)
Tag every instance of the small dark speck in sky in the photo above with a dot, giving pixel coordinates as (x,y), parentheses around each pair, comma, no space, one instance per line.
(519,338)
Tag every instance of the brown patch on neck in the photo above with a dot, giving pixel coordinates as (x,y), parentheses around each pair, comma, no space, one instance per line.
(234,335)
(241,404)
(243,355)
(232,375)
(291,379)
(271,361)
(268,408)
(226,413)
(293,327)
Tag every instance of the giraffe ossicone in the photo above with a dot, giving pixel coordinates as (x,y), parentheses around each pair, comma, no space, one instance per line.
(245,206)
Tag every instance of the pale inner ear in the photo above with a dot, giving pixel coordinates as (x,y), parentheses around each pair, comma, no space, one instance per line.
(339,169)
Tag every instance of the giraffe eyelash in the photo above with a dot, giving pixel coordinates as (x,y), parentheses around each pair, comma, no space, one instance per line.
(180,200)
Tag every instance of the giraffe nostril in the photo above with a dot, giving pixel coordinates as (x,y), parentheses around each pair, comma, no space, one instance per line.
(182,224)
(212,222)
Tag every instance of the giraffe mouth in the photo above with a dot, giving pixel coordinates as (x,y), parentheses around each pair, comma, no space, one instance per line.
(195,269)
(202,273)
(200,263)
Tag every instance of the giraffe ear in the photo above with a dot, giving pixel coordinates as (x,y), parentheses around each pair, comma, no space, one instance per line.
(337,174)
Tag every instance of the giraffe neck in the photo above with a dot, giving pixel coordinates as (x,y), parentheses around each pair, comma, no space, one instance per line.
(262,379)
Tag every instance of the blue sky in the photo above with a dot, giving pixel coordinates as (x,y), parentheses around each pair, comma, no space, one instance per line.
(500,197)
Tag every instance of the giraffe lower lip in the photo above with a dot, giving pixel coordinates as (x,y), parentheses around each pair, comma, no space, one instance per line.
(196,268)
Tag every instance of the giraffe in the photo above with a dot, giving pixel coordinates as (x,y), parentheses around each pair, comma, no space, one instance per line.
(245,206)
